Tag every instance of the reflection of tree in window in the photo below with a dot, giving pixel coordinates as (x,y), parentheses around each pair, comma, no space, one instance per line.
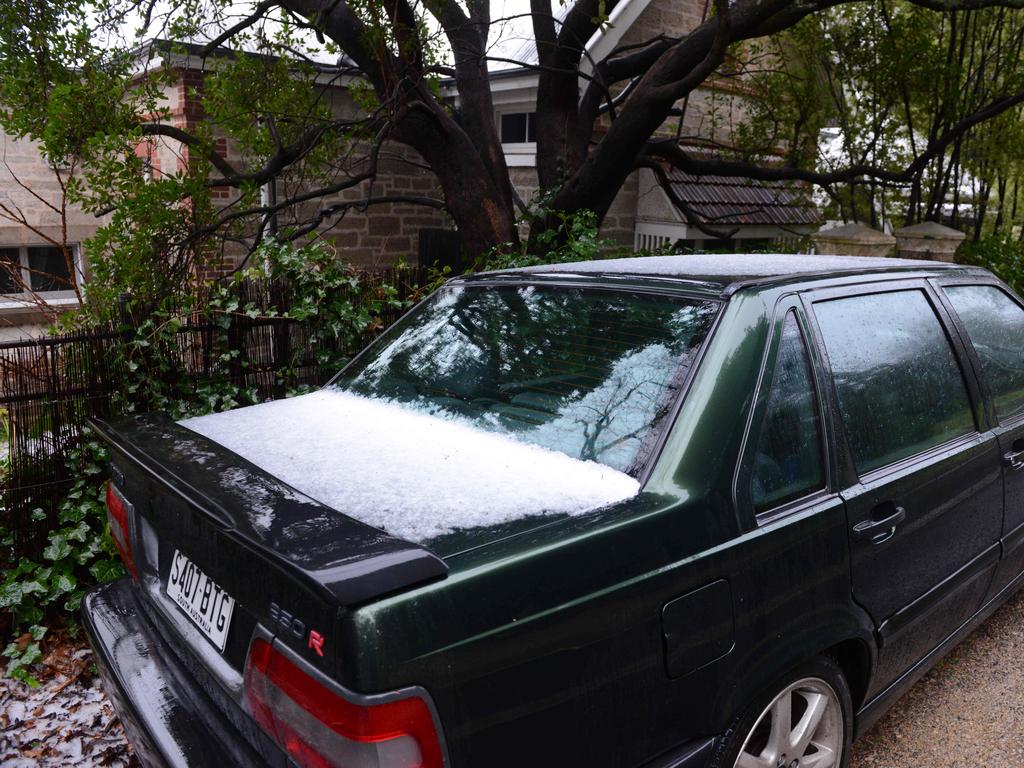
(900,388)
(585,372)
(995,323)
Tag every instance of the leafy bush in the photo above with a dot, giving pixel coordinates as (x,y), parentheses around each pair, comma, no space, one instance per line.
(568,237)
(337,311)
(336,306)
(1001,253)
(79,554)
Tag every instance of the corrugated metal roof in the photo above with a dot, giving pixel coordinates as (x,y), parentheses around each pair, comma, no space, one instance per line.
(733,200)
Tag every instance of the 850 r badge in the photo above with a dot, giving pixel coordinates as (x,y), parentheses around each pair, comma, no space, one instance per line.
(296,628)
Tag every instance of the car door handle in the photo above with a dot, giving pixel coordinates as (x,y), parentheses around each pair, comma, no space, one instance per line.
(877,530)
(1014,460)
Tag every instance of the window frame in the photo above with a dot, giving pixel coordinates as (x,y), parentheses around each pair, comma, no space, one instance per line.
(938,284)
(848,469)
(743,474)
(531,118)
(18,299)
(518,153)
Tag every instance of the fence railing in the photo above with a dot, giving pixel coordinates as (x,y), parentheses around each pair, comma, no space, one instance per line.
(50,387)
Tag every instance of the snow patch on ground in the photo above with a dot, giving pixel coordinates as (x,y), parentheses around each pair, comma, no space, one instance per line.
(67,721)
(415,475)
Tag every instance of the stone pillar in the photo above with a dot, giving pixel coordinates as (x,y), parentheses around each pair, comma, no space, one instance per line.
(853,240)
(928,240)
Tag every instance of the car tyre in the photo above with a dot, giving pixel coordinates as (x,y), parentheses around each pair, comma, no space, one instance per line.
(803,721)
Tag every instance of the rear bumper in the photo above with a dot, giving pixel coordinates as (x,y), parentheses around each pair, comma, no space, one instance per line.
(170,720)
(168,715)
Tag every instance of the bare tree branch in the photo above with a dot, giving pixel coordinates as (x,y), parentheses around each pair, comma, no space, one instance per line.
(188,139)
(258,11)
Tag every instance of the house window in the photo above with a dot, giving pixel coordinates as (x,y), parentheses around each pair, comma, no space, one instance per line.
(40,268)
(518,128)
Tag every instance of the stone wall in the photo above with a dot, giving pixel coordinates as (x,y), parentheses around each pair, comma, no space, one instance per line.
(670,17)
(618,225)
(377,236)
(22,167)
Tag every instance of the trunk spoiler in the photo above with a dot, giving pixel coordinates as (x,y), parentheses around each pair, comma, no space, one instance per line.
(336,556)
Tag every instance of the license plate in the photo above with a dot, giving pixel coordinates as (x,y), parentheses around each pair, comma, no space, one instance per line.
(206,604)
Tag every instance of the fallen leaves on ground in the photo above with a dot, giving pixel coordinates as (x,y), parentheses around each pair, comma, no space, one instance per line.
(66,721)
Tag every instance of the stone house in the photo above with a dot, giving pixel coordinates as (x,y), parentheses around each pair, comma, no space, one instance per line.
(33,231)
(643,215)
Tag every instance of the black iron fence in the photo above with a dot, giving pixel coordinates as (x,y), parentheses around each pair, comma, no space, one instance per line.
(50,386)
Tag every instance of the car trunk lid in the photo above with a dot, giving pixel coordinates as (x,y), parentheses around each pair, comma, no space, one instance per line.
(290,563)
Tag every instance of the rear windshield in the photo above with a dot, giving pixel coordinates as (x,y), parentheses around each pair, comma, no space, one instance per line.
(589,373)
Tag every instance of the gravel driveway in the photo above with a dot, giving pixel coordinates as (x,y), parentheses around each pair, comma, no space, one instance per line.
(967,712)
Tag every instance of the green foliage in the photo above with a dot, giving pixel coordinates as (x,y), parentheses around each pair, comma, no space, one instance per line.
(1001,253)
(882,78)
(337,307)
(79,554)
(281,92)
(336,310)
(23,653)
(560,237)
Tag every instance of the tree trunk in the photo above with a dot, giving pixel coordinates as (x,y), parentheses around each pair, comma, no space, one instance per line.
(1001,193)
(913,213)
(985,189)
(480,206)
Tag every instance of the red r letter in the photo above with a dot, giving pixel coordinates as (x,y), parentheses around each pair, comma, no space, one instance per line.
(316,642)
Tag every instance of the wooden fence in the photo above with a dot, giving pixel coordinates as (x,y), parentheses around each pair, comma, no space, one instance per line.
(50,386)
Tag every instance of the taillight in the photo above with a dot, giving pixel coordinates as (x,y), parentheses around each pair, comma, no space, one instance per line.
(117,513)
(319,728)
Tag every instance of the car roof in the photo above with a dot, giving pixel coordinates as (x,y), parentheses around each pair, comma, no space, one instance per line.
(731,270)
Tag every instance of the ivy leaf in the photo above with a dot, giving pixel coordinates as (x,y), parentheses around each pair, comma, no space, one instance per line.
(58,548)
(62,583)
(79,532)
(106,570)
(33,587)
(11,594)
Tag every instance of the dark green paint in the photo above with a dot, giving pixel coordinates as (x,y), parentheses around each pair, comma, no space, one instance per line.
(545,642)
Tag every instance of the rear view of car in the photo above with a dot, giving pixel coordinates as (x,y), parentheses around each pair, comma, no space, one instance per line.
(673,512)
(254,537)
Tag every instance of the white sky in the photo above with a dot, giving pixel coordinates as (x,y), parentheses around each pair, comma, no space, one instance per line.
(510,28)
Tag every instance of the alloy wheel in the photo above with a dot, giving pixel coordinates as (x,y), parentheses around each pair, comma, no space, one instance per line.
(801,728)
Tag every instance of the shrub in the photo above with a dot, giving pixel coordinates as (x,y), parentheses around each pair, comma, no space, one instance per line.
(1002,253)
(569,237)
(336,310)
(79,554)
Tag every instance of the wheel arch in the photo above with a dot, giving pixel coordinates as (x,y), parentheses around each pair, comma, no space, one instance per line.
(854,657)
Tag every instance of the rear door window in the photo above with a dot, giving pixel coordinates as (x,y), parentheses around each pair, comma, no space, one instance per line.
(899,386)
(995,323)
(788,463)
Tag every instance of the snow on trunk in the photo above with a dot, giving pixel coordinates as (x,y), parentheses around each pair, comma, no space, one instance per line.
(415,475)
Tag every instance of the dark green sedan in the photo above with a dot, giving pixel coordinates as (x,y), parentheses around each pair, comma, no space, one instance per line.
(667,512)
